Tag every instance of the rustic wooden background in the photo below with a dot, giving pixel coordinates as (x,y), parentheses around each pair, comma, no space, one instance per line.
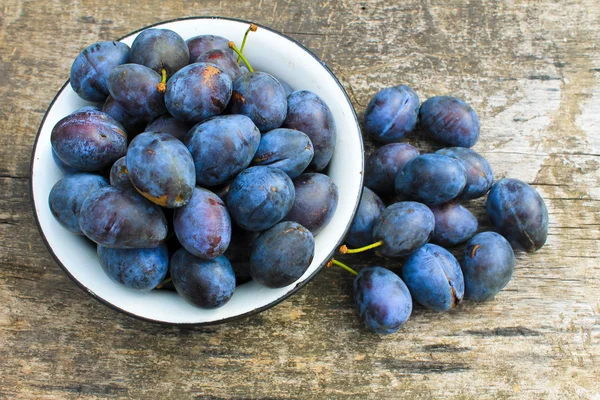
(531,69)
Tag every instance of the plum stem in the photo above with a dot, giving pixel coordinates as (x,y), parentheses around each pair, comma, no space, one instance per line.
(162,86)
(234,48)
(345,250)
(251,28)
(333,261)
(163,283)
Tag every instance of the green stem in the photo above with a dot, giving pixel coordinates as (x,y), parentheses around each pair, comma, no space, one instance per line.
(345,250)
(162,86)
(234,48)
(251,28)
(163,283)
(333,261)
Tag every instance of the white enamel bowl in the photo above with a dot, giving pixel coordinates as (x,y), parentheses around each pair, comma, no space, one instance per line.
(268,51)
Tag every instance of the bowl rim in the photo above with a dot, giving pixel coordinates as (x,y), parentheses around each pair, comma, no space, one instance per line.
(238,316)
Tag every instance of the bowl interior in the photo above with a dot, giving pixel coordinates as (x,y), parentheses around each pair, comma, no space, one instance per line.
(267,51)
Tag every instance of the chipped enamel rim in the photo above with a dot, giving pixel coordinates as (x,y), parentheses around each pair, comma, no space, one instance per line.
(269,51)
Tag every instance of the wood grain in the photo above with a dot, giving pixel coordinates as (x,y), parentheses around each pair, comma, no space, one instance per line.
(531,69)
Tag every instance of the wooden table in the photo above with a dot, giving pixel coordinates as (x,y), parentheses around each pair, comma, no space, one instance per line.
(531,69)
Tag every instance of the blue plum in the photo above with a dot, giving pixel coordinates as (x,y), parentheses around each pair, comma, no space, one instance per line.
(361,231)
(382,299)
(119,175)
(90,70)
(132,124)
(61,164)
(139,269)
(68,194)
(197,92)
(203,226)
(160,49)
(200,44)
(168,124)
(480,176)
(403,227)
(518,212)
(161,168)
(204,283)
(434,278)
(450,121)
(454,224)
(222,147)
(260,197)
(316,201)
(260,97)
(431,179)
(222,59)
(392,114)
(488,265)
(281,255)
(383,165)
(122,218)
(137,89)
(308,113)
(88,140)
(287,149)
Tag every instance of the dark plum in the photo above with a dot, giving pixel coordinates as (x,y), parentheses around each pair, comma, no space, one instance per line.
(122,218)
(238,252)
(431,179)
(222,190)
(69,193)
(361,231)
(392,114)
(172,126)
(197,92)
(160,49)
(260,97)
(403,227)
(119,175)
(383,165)
(90,70)
(480,176)
(222,147)
(434,278)
(316,201)
(136,88)
(222,59)
(133,124)
(281,255)
(260,197)
(200,44)
(488,265)
(449,121)
(203,225)
(518,212)
(382,300)
(161,168)
(139,269)
(307,113)
(204,283)
(286,87)
(454,224)
(287,149)
(88,140)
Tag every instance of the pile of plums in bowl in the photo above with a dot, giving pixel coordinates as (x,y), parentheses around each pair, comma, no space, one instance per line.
(173,159)
(424,215)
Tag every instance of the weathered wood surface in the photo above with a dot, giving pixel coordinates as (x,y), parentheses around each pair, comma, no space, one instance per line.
(532,71)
